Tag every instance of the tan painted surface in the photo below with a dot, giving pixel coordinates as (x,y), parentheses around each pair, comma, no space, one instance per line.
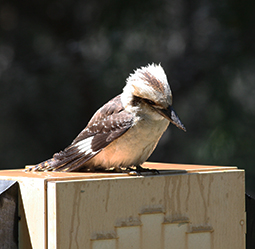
(183,207)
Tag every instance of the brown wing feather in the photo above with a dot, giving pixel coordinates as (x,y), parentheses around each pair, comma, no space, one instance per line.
(100,119)
(107,124)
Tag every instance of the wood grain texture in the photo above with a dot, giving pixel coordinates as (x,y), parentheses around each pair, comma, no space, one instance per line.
(214,200)
(181,206)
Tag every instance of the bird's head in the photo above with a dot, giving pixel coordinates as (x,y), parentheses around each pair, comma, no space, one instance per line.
(148,87)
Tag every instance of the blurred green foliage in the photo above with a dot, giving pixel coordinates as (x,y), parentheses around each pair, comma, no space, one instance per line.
(61,60)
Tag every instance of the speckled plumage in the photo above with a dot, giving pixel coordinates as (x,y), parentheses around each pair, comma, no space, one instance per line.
(125,131)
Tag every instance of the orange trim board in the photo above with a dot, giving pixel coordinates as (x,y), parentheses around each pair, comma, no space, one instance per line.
(164,167)
(186,167)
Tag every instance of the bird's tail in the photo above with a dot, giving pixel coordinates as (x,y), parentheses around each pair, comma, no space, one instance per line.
(65,161)
(48,165)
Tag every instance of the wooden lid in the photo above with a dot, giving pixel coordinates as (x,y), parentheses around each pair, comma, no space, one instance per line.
(163,168)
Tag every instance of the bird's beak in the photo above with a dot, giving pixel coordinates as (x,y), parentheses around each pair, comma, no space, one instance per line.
(171,115)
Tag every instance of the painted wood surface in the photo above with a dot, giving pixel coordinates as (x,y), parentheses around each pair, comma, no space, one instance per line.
(183,207)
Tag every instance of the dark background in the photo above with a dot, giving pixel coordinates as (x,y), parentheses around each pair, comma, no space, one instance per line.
(61,60)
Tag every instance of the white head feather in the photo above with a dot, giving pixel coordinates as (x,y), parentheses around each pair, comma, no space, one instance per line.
(150,83)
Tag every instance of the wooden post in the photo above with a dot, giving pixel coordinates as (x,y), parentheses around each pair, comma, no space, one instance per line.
(184,207)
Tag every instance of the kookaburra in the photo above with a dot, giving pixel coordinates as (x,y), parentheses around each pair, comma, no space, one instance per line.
(125,131)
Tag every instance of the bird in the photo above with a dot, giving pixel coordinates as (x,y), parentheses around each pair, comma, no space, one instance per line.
(124,132)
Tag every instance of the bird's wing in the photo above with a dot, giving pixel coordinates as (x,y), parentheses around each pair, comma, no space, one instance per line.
(108,123)
(109,118)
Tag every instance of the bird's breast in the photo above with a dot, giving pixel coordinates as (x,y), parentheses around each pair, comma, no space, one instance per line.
(134,146)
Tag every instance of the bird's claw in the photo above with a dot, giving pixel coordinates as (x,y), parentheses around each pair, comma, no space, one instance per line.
(139,169)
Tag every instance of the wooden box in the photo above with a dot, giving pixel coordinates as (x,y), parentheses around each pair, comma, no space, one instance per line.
(184,207)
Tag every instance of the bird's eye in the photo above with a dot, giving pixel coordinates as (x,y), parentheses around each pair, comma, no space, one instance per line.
(150,102)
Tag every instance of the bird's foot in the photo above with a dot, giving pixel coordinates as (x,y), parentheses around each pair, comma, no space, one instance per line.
(139,170)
